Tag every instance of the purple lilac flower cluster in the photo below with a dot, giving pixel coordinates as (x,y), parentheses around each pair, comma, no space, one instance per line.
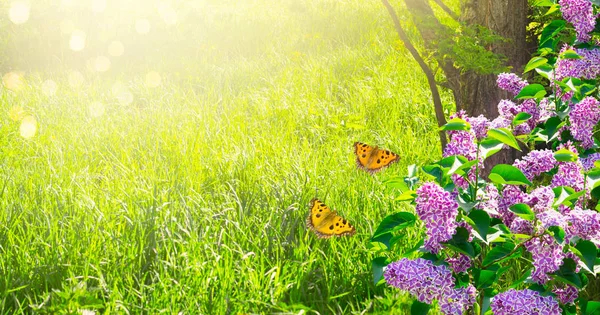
(509,109)
(489,200)
(587,67)
(588,162)
(584,224)
(547,257)
(584,116)
(566,294)
(541,199)
(511,195)
(569,174)
(459,263)
(525,301)
(438,209)
(511,82)
(427,282)
(536,163)
(462,142)
(581,14)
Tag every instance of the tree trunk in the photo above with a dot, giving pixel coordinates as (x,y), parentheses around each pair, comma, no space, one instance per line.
(478,94)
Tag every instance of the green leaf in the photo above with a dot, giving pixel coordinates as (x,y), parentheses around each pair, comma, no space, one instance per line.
(396,182)
(588,253)
(505,136)
(561,193)
(523,211)
(452,163)
(557,232)
(484,278)
(592,308)
(535,90)
(482,222)
(549,33)
(498,252)
(564,155)
(456,124)
(489,147)
(567,273)
(520,118)
(377,266)
(545,71)
(552,125)
(390,224)
(435,171)
(419,308)
(593,178)
(543,3)
(517,283)
(460,242)
(508,174)
(534,63)
(569,54)
(408,195)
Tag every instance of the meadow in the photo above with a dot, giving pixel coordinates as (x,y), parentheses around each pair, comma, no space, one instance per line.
(190,193)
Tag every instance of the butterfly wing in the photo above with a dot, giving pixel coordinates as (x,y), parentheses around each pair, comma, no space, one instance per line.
(373,159)
(363,153)
(325,222)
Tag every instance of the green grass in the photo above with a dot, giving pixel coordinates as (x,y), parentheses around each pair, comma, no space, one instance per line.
(193,198)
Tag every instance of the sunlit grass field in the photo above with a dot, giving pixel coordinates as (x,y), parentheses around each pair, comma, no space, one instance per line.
(191,195)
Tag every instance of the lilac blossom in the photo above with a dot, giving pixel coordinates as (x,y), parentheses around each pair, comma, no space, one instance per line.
(580,13)
(428,282)
(438,209)
(552,218)
(479,126)
(546,110)
(584,116)
(569,174)
(566,294)
(588,162)
(524,302)
(459,263)
(541,199)
(500,122)
(535,163)
(584,224)
(547,257)
(511,82)
(489,200)
(510,195)
(587,67)
(521,226)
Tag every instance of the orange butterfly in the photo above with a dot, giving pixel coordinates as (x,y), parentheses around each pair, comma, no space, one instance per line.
(325,222)
(373,159)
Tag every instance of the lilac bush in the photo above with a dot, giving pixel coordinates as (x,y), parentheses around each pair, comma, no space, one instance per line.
(535,219)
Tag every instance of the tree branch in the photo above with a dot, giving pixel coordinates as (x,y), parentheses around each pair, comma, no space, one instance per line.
(435,94)
(446,9)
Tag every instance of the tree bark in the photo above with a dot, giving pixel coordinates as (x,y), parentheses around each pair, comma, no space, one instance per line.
(478,94)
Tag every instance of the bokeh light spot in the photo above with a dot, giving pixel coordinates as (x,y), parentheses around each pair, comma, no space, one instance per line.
(167,13)
(101,64)
(142,26)
(13,81)
(49,87)
(75,79)
(116,49)
(16,113)
(98,6)
(18,12)
(28,127)
(96,109)
(77,41)
(153,79)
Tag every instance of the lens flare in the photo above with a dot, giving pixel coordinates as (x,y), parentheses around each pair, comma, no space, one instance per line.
(18,12)
(49,87)
(101,64)
(116,49)
(67,26)
(153,79)
(167,13)
(77,41)
(28,127)
(122,94)
(142,26)
(13,81)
